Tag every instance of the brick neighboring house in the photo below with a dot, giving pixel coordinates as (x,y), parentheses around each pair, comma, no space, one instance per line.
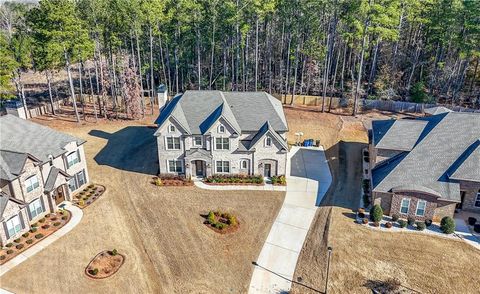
(427,167)
(39,169)
(202,133)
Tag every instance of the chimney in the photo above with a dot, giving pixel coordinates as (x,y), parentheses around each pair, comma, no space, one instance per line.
(162,95)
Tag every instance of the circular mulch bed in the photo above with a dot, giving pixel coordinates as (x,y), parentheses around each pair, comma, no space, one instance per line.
(221,222)
(104,265)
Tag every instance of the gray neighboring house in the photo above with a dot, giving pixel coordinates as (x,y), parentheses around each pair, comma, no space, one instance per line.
(427,167)
(39,169)
(201,133)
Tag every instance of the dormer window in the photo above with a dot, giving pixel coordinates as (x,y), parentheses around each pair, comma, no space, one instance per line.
(221,129)
(268,142)
(31,183)
(171,128)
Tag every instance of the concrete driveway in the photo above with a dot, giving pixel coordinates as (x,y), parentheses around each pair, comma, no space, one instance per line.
(308,179)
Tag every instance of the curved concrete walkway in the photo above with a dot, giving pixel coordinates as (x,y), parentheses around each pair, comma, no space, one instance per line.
(266,187)
(308,178)
(77,215)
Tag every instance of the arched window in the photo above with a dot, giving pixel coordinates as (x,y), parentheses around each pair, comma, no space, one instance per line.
(171,128)
(268,142)
(243,164)
(221,129)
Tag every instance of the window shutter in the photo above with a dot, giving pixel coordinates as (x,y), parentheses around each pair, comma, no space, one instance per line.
(65,162)
(29,213)
(42,204)
(6,230)
(78,155)
(22,222)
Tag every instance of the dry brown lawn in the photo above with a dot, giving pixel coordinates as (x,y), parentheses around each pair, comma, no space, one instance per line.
(158,229)
(423,263)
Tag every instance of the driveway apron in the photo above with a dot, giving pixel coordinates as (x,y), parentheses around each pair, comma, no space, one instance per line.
(308,179)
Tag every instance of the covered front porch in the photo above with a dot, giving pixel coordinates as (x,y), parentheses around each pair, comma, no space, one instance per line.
(57,188)
(198,163)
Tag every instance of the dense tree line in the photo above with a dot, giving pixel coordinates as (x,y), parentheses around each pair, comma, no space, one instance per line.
(414,50)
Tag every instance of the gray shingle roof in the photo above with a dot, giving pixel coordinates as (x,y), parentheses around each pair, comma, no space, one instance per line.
(397,134)
(5,199)
(52,178)
(11,164)
(23,136)
(443,141)
(437,110)
(198,152)
(267,128)
(245,111)
(467,168)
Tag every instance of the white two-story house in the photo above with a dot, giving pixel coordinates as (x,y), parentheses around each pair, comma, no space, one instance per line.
(39,169)
(201,133)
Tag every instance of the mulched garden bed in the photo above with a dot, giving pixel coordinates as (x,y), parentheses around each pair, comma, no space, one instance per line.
(104,264)
(234,184)
(234,180)
(86,197)
(39,231)
(171,180)
(221,222)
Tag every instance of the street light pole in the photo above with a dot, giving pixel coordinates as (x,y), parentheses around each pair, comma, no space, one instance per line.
(329,248)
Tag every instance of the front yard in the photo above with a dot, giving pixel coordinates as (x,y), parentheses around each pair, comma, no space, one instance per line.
(159,230)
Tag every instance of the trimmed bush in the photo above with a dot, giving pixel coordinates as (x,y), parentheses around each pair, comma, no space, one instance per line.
(25,235)
(2,257)
(9,245)
(91,186)
(476,228)
(19,246)
(29,241)
(64,217)
(114,252)
(376,224)
(219,226)
(48,215)
(232,220)
(81,202)
(45,227)
(411,220)
(211,218)
(447,225)
(428,222)
(376,214)
(395,217)
(94,271)
(17,240)
(10,251)
(388,225)
(420,226)
(42,220)
(33,230)
(35,225)
(472,221)
(365,221)
(57,224)
(402,223)
(39,236)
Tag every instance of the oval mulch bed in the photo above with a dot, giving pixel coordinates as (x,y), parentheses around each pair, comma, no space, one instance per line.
(222,218)
(106,264)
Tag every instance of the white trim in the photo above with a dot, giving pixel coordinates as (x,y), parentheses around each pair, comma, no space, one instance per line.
(173,137)
(401,205)
(242,161)
(266,140)
(222,172)
(194,143)
(424,208)
(215,143)
(170,128)
(221,126)
(30,183)
(71,162)
(13,225)
(181,166)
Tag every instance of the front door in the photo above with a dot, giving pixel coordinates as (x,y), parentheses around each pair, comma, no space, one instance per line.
(60,195)
(199,168)
(267,170)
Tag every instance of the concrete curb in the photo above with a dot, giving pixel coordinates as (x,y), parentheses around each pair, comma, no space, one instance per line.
(75,219)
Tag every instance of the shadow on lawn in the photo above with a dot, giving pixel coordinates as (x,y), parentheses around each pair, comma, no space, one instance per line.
(133,148)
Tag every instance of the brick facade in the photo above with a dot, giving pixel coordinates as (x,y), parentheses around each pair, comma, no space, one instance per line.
(471,190)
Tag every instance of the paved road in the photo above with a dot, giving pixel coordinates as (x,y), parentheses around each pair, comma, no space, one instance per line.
(308,178)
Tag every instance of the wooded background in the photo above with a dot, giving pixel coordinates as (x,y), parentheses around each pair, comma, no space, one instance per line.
(423,51)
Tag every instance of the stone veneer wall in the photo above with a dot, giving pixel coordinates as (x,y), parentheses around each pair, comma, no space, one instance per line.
(471,189)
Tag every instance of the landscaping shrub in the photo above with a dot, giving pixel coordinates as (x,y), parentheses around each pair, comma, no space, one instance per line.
(279,180)
(34,225)
(29,241)
(33,230)
(57,224)
(48,215)
(114,252)
(2,257)
(45,227)
(365,221)
(64,217)
(211,217)
(420,226)
(395,217)
(476,228)
(376,224)
(25,235)
(428,222)
(10,251)
(94,272)
(388,225)
(19,246)
(90,186)
(219,226)
(376,214)
(42,220)
(232,220)
(411,220)
(233,179)
(366,200)
(81,202)
(54,218)
(447,225)
(158,182)
(17,240)
(472,221)
(402,223)
(39,236)
(9,245)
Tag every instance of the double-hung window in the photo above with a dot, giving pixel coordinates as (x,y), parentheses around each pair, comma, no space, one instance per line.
(222,143)
(243,164)
(421,205)
(175,166)
(81,178)
(173,143)
(13,226)
(72,159)
(197,141)
(171,128)
(268,142)
(223,166)
(72,184)
(32,183)
(221,129)
(405,205)
(477,201)
(35,207)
